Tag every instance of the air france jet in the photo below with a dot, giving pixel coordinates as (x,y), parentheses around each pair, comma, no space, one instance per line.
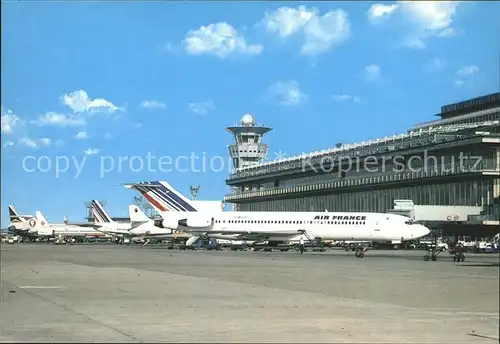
(283,226)
(139,226)
(162,204)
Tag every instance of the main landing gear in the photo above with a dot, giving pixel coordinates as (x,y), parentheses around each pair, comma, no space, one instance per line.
(360,251)
(433,253)
(458,257)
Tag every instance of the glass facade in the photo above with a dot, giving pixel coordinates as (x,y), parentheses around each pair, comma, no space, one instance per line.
(469,158)
(452,167)
(473,192)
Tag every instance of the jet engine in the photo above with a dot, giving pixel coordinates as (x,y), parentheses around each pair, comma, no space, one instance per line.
(197,222)
(159,223)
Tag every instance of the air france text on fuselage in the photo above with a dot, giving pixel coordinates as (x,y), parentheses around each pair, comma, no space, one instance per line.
(340,217)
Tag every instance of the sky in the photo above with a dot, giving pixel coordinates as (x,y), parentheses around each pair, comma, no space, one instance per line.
(92,89)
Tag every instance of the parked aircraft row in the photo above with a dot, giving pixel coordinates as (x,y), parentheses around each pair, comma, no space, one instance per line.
(195,219)
(139,226)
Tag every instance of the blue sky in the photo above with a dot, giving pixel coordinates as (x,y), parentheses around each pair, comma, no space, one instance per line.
(95,80)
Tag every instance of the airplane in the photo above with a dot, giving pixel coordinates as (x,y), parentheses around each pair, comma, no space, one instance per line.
(160,204)
(139,226)
(23,225)
(281,226)
(50,230)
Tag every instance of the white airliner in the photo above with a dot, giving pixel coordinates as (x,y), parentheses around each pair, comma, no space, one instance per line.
(46,229)
(161,204)
(278,226)
(139,226)
(21,224)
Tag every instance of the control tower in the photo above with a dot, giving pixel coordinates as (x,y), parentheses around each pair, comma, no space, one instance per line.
(248,149)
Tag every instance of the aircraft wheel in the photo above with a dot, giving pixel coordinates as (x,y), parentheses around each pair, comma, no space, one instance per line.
(434,258)
(426,257)
(361,254)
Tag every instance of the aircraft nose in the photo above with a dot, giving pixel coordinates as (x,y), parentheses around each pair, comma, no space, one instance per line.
(423,231)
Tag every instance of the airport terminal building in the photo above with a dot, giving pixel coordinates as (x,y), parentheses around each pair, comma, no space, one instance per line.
(449,167)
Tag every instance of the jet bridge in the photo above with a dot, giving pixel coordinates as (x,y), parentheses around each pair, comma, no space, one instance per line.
(434,213)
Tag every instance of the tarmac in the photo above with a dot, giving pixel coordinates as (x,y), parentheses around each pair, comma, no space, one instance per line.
(114,293)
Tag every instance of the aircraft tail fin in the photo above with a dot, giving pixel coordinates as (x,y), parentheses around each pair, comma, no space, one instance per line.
(163,197)
(13,215)
(136,214)
(100,214)
(42,221)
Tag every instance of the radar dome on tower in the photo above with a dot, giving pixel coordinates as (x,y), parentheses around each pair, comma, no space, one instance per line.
(248,120)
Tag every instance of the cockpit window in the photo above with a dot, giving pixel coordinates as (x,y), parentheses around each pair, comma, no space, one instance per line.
(409,222)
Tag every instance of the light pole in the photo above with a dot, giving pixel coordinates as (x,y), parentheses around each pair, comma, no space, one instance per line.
(195,190)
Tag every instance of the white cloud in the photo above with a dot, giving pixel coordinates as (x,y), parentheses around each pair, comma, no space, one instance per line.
(8,144)
(465,75)
(81,135)
(25,141)
(286,93)
(91,151)
(31,143)
(448,32)
(9,121)
(108,136)
(467,71)
(59,119)
(431,15)
(428,19)
(219,39)
(372,73)
(320,33)
(436,64)
(79,101)
(345,97)
(378,11)
(153,104)
(45,141)
(202,108)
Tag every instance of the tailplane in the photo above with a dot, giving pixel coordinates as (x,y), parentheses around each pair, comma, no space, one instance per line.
(100,214)
(15,217)
(42,221)
(164,197)
(136,214)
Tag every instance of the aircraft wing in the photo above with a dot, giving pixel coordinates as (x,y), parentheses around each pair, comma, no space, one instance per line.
(255,235)
(88,225)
